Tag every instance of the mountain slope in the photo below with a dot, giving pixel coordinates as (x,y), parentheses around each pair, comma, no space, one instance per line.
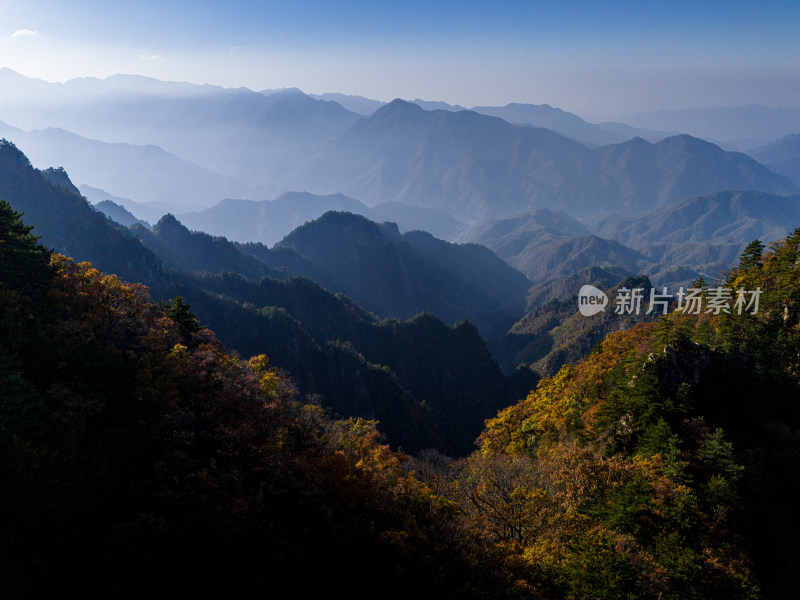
(119,213)
(133,442)
(738,127)
(476,166)
(509,236)
(461,162)
(702,405)
(400,275)
(547,258)
(65,221)
(698,230)
(269,221)
(330,346)
(555,333)
(142,173)
(681,166)
(781,156)
(543,244)
(565,123)
(196,251)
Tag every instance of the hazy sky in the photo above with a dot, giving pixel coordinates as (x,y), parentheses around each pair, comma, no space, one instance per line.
(600,59)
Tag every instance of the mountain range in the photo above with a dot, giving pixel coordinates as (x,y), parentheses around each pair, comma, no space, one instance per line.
(734,127)
(269,221)
(704,229)
(237,143)
(399,275)
(479,166)
(781,156)
(139,172)
(441,159)
(543,244)
(356,364)
(390,274)
(618,455)
(232,131)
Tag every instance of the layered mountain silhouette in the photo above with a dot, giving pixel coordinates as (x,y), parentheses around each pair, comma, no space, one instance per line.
(781,156)
(469,165)
(555,119)
(568,124)
(357,104)
(704,229)
(399,275)
(393,275)
(329,345)
(269,221)
(119,214)
(480,166)
(460,162)
(65,221)
(147,211)
(736,127)
(543,244)
(196,252)
(538,115)
(144,173)
(224,129)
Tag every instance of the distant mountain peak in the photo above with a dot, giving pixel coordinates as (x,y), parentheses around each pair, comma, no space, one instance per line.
(290,91)
(169,223)
(437,105)
(339,219)
(397,105)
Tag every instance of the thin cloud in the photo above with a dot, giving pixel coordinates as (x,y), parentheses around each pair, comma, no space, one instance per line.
(150,57)
(24,33)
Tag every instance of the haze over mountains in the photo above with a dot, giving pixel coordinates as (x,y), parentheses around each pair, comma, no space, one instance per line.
(135,171)
(781,156)
(406,300)
(362,196)
(269,221)
(191,146)
(736,128)
(480,166)
(331,346)
(399,274)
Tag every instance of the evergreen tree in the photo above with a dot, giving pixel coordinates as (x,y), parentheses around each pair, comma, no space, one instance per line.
(21,256)
(751,256)
(180,311)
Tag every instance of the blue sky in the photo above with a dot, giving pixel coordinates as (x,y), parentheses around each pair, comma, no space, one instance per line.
(602,60)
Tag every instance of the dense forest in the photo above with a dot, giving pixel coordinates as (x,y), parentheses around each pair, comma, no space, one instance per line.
(140,458)
(431,385)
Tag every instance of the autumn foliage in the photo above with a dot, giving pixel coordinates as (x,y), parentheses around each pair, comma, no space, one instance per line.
(139,459)
(660,466)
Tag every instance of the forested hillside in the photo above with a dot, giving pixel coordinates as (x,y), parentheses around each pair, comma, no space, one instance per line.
(330,347)
(140,460)
(507,309)
(664,465)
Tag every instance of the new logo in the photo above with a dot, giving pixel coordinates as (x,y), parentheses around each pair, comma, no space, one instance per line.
(591,300)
